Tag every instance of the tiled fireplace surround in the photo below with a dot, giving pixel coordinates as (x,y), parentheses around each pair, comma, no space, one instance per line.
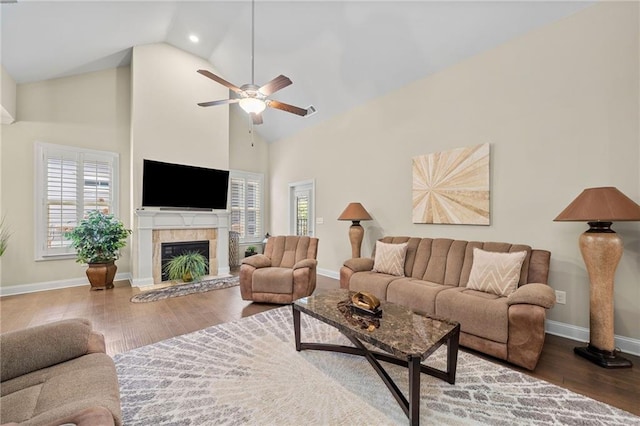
(155,227)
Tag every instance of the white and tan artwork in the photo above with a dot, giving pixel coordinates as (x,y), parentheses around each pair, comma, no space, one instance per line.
(452,186)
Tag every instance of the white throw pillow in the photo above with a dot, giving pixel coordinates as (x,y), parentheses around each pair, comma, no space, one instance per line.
(390,258)
(496,273)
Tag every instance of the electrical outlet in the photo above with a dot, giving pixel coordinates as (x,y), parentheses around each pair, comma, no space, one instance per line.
(319,220)
(561,297)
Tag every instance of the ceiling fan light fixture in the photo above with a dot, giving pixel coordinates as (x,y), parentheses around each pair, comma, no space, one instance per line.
(252,105)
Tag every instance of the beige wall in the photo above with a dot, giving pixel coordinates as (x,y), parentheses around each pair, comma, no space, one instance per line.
(559,107)
(167,124)
(91,111)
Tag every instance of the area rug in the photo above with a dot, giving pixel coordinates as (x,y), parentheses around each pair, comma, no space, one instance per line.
(248,372)
(185,289)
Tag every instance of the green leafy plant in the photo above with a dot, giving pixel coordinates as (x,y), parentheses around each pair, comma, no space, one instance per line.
(4,237)
(98,237)
(251,249)
(189,266)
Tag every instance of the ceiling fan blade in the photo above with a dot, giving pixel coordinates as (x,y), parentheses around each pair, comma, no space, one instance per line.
(257,118)
(220,80)
(289,108)
(220,102)
(280,82)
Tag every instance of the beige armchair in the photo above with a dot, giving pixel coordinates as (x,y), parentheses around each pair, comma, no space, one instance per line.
(285,272)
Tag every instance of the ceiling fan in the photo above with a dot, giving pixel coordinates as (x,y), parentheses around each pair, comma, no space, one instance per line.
(252,98)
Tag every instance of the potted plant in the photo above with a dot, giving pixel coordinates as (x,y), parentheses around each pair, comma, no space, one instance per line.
(97,239)
(250,251)
(189,266)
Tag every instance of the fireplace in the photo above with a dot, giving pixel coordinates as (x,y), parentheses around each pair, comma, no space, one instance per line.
(170,250)
(154,228)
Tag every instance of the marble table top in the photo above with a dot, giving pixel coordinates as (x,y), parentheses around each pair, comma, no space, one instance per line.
(401,332)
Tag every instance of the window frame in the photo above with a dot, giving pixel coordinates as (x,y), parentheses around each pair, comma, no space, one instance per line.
(248,176)
(42,152)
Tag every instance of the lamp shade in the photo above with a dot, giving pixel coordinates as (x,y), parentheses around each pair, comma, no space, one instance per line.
(606,204)
(355,211)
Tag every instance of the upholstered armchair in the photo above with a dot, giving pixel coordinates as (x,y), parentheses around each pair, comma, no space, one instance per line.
(285,272)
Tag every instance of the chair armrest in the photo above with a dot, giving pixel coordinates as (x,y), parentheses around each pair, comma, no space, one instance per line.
(533,294)
(257,261)
(359,264)
(35,348)
(305,263)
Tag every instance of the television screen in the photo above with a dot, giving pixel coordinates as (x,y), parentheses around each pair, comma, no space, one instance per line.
(181,186)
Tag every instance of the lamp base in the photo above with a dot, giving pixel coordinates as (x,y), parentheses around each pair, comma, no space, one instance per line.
(603,358)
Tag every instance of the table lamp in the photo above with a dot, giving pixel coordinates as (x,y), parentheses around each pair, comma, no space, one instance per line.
(601,250)
(355,213)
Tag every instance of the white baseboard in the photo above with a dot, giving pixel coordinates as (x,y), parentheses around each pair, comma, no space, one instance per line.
(328,273)
(53,285)
(581,334)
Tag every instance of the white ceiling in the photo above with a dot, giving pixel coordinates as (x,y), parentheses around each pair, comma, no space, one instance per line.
(337,53)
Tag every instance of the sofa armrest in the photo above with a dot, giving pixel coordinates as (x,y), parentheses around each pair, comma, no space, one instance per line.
(359,264)
(305,263)
(35,348)
(533,294)
(257,261)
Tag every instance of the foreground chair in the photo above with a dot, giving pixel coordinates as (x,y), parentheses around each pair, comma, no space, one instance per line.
(285,272)
(58,373)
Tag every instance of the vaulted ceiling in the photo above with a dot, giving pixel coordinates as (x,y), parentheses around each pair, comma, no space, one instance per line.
(338,53)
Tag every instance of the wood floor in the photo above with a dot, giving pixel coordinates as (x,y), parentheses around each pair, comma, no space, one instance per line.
(129,325)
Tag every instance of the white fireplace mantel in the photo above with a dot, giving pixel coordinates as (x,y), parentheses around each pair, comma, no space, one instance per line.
(150,219)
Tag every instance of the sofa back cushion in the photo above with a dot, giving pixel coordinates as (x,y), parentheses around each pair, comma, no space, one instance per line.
(42,346)
(286,250)
(448,262)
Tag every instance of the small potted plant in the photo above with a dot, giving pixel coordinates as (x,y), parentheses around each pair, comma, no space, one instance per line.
(97,240)
(189,266)
(250,251)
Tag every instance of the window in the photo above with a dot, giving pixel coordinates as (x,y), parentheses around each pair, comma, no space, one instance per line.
(70,182)
(301,207)
(246,205)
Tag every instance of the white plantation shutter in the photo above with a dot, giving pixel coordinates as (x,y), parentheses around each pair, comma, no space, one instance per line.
(69,183)
(246,205)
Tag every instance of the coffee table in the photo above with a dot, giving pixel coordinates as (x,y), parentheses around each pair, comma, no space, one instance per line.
(407,339)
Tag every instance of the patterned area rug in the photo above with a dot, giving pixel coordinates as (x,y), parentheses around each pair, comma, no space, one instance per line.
(248,372)
(184,289)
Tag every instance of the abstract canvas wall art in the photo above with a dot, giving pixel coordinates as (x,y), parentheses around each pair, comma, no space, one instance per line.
(452,187)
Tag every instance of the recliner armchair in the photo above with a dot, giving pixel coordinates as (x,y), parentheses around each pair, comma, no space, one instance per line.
(285,272)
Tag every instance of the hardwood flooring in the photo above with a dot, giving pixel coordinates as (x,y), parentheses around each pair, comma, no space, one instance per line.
(129,325)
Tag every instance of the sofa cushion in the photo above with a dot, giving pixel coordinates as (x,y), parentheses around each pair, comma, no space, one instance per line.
(62,390)
(496,273)
(479,313)
(272,280)
(371,282)
(418,295)
(390,258)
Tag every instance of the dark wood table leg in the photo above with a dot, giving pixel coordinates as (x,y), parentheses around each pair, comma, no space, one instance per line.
(414,390)
(296,327)
(452,355)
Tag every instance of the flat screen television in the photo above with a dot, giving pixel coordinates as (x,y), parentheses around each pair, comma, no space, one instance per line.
(179,186)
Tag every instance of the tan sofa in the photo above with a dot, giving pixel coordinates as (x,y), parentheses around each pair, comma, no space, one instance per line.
(436,274)
(285,272)
(57,374)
